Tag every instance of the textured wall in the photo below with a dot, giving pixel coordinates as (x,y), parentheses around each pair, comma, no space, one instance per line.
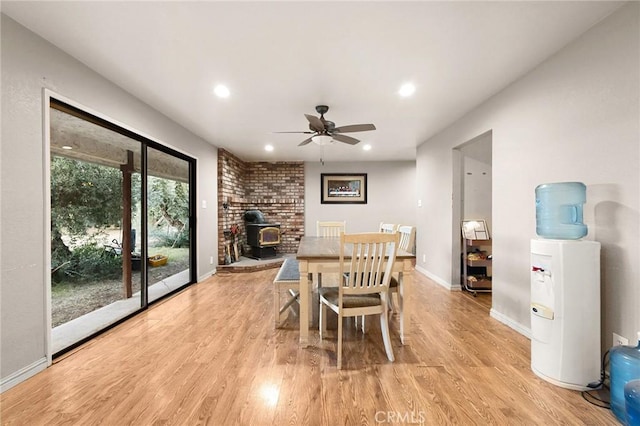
(29,65)
(573,118)
(276,189)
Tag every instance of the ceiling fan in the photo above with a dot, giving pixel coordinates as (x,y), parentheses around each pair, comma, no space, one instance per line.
(325,132)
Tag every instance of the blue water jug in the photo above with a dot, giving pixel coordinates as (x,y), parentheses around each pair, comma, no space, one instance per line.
(559,210)
(624,364)
(632,402)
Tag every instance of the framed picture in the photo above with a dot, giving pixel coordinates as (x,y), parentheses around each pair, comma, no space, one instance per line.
(475,230)
(338,188)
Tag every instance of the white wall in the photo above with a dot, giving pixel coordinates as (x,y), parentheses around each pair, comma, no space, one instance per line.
(390,198)
(477,178)
(477,191)
(573,118)
(30,64)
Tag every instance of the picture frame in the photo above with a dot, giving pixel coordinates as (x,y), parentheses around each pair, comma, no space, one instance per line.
(343,188)
(475,230)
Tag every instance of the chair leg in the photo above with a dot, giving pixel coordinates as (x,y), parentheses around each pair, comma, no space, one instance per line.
(392,307)
(339,341)
(386,337)
(276,306)
(322,312)
(359,320)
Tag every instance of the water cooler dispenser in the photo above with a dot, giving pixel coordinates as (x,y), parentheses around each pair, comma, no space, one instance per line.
(565,290)
(565,312)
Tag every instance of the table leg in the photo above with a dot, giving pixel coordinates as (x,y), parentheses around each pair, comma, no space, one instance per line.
(304,303)
(404,300)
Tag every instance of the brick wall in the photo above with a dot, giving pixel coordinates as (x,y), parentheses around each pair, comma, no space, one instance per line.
(276,189)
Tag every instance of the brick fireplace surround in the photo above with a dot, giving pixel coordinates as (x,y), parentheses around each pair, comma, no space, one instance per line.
(276,189)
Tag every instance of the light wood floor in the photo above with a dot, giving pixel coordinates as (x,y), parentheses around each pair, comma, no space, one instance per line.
(210,355)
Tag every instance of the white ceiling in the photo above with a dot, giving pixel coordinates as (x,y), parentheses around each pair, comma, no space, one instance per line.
(280,59)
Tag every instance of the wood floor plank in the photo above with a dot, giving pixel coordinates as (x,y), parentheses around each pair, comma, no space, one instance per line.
(210,356)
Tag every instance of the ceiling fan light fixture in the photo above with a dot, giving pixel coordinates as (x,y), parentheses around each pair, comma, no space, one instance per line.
(324,132)
(322,139)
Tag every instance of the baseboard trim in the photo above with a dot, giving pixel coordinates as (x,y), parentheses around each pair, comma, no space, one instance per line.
(526,332)
(438,280)
(493,313)
(23,374)
(207,275)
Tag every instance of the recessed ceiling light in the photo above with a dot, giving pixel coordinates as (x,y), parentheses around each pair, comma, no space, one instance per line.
(67,147)
(407,89)
(268,148)
(367,147)
(221,91)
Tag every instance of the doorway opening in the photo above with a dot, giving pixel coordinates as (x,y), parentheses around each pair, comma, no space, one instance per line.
(473,207)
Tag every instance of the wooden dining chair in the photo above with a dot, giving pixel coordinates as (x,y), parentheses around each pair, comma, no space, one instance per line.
(407,237)
(365,271)
(407,242)
(388,228)
(330,229)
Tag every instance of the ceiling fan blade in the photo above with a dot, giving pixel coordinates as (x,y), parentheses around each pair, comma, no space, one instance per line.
(308,133)
(354,128)
(315,123)
(345,139)
(305,142)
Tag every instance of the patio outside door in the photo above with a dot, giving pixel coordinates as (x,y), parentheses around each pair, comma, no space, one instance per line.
(168,223)
(121,223)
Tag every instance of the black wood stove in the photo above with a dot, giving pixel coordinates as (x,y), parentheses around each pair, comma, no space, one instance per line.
(262,237)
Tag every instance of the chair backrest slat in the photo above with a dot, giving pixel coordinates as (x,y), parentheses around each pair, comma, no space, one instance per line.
(388,227)
(368,270)
(330,228)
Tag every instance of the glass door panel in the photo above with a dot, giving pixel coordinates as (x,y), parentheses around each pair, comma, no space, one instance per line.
(95,184)
(169,207)
(121,223)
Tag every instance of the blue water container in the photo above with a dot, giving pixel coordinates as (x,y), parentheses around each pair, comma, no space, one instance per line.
(559,210)
(632,402)
(624,365)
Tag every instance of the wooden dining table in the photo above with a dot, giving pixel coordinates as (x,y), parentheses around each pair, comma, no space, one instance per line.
(318,255)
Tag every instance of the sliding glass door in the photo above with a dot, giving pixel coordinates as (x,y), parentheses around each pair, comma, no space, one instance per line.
(168,220)
(121,223)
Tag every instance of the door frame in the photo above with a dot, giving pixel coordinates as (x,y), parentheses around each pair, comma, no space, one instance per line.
(457,206)
(147,141)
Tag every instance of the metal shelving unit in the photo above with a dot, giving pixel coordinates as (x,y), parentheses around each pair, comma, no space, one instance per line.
(476,272)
